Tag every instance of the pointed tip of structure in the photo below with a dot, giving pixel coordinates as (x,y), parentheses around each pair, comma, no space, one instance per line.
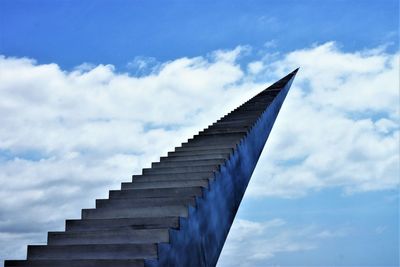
(295,71)
(283,81)
(289,75)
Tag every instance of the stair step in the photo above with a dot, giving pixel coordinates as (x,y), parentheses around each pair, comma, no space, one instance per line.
(121,223)
(259,104)
(181,151)
(104,251)
(264,97)
(173,177)
(199,141)
(239,117)
(242,130)
(234,118)
(74,263)
(247,111)
(144,202)
(183,169)
(186,163)
(112,236)
(177,158)
(211,143)
(158,192)
(137,212)
(165,184)
(230,123)
(208,148)
(212,139)
(221,134)
(274,89)
(254,108)
(216,138)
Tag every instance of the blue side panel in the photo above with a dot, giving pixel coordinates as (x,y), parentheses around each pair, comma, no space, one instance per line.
(202,234)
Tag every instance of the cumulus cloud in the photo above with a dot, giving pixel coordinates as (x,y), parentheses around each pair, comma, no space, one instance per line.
(339,126)
(253,243)
(67,137)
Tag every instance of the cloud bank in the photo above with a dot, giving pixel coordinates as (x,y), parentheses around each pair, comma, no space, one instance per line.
(69,136)
(252,243)
(339,126)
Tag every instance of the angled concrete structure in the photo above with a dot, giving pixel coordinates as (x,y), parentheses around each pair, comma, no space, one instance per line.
(179,211)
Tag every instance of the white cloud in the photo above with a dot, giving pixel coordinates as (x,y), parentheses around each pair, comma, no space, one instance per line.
(255,67)
(69,136)
(339,126)
(144,65)
(346,82)
(253,243)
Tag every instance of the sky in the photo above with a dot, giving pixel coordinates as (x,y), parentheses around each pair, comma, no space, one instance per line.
(91,92)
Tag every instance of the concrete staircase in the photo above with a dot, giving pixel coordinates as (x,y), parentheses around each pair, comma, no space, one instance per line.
(179,211)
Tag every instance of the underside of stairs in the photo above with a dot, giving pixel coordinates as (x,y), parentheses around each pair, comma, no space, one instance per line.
(179,211)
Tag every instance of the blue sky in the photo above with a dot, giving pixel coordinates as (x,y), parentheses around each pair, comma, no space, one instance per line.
(69,33)
(93,91)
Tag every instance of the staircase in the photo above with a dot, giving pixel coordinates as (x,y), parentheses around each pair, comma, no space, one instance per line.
(179,211)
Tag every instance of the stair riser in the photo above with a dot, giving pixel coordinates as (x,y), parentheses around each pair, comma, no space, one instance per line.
(209,140)
(165,184)
(140,193)
(176,176)
(221,134)
(187,163)
(109,237)
(223,125)
(182,152)
(206,148)
(238,118)
(92,252)
(232,123)
(173,170)
(241,130)
(113,213)
(75,263)
(246,112)
(258,105)
(211,143)
(162,178)
(144,202)
(177,158)
(257,110)
(135,223)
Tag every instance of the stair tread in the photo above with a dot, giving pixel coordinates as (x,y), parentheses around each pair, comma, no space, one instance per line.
(159,192)
(92,251)
(133,223)
(75,263)
(165,184)
(135,212)
(144,202)
(109,236)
